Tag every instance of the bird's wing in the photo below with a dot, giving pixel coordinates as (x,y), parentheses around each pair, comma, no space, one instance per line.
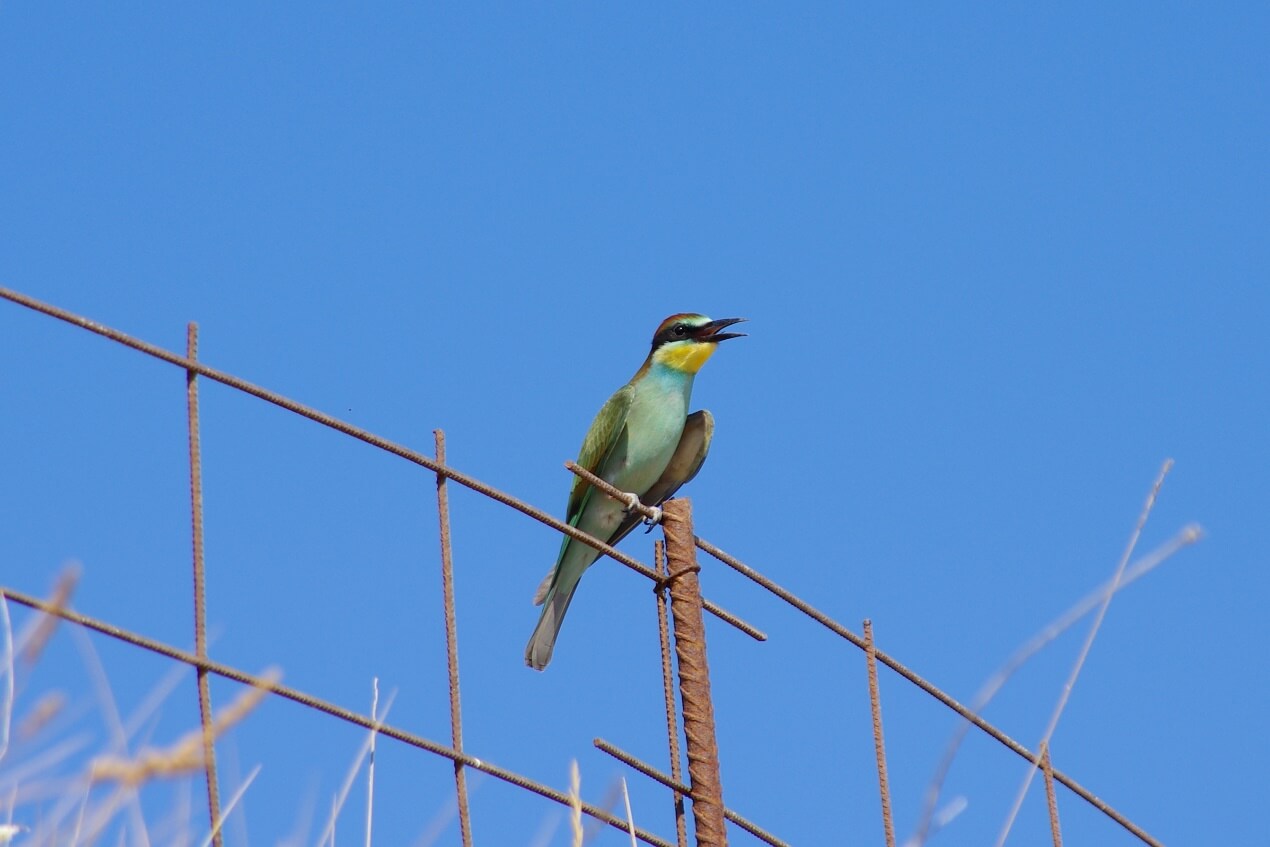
(601,438)
(605,433)
(688,458)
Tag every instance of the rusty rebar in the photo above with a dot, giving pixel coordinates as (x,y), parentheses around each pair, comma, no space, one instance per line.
(451,641)
(194,367)
(679,788)
(694,675)
(200,585)
(668,689)
(324,706)
(930,688)
(649,512)
(1051,798)
(362,435)
(879,744)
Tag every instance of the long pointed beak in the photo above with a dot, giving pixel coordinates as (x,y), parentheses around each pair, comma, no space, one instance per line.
(710,332)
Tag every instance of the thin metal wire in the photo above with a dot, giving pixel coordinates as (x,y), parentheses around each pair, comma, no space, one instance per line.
(930,688)
(879,744)
(200,585)
(679,788)
(1051,799)
(361,435)
(326,707)
(451,642)
(668,689)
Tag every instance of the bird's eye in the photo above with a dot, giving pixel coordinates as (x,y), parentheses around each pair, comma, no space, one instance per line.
(680,330)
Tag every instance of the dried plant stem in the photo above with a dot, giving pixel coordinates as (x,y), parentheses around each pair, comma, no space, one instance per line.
(370,764)
(1189,535)
(219,823)
(186,755)
(575,803)
(1084,650)
(6,697)
(630,818)
(681,789)
(375,727)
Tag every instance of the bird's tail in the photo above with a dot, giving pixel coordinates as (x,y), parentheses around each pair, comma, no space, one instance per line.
(543,641)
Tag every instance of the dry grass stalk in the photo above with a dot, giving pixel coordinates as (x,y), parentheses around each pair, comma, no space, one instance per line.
(45,709)
(1088,644)
(183,757)
(630,818)
(367,748)
(37,637)
(575,802)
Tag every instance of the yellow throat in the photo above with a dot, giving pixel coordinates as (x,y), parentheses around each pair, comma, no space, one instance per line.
(684,356)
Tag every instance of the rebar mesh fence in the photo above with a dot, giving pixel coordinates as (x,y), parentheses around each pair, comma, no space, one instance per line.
(673,576)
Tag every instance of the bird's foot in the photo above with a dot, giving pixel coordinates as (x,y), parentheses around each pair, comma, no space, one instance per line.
(631,499)
(633,504)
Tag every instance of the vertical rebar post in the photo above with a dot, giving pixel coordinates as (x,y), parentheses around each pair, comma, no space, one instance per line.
(879,744)
(200,585)
(694,675)
(452,642)
(668,687)
(1051,798)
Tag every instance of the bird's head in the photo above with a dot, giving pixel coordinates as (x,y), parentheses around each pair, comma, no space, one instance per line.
(684,342)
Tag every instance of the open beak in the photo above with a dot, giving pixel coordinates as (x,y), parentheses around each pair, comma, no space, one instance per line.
(710,332)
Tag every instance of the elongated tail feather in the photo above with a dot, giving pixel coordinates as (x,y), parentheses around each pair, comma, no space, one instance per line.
(543,641)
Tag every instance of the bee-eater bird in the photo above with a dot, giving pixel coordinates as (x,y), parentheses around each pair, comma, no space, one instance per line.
(643,441)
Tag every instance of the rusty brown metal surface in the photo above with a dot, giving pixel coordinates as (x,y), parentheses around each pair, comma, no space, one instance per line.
(680,789)
(1051,799)
(694,675)
(668,690)
(879,743)
(200,586)
(452,642)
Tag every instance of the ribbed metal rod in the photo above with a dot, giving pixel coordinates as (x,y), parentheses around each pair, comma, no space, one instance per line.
(680,789)
(451,642)
(355,432)
(326,707)
(879,742)
(668,691)
(694,675)
(200,586)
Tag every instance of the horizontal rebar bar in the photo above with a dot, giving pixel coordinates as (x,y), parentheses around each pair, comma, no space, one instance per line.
(675,785)
(647,511)
(929,687)
(895,665)
(325,706)
(360,434)
(193,366)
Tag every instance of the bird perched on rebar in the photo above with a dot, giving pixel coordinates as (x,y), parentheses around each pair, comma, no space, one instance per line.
(643,441)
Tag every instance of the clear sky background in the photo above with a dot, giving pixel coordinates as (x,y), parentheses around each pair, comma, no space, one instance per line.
(1000,262)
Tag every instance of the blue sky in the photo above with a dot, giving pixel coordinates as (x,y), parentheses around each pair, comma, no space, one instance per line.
(999,263)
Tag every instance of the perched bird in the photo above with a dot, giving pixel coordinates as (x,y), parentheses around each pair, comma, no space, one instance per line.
(643,441)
